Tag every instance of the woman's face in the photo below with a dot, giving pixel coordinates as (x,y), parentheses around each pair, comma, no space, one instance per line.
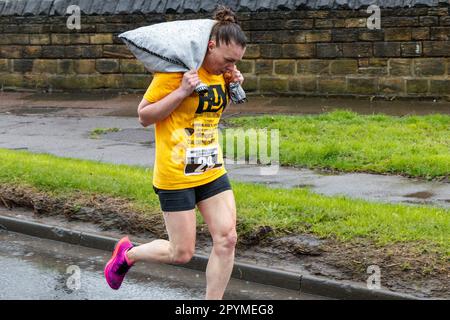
(219,60)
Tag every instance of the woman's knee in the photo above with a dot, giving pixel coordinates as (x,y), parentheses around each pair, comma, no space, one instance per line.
(182,255)
(225,242)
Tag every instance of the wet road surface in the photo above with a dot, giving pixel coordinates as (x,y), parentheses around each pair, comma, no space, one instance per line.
(34,268)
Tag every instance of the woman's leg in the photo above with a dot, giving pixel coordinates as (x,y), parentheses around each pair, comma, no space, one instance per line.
(181,228)
(219,212)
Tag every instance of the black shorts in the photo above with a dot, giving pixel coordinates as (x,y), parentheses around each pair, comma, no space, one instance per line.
(186,199)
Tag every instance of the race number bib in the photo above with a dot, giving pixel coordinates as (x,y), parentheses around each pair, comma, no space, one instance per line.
(201,159)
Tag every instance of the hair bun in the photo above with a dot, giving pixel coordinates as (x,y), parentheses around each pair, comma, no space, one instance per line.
(224,14)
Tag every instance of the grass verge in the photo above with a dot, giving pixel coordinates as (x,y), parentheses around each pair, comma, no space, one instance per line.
(417,146)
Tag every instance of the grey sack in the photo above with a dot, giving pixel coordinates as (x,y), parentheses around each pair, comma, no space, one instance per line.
(176,46)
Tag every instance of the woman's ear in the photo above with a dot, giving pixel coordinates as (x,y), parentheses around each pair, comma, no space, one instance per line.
(211,44)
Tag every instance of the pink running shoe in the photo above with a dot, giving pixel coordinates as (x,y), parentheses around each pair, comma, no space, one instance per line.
(118,265)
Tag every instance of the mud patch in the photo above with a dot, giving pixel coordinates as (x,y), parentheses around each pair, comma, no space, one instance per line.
(106,212)
(409,268)
(299,245)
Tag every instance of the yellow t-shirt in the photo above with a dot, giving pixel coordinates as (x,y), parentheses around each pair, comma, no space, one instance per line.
(188,153)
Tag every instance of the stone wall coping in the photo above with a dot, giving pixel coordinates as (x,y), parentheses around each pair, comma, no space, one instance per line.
(113,7)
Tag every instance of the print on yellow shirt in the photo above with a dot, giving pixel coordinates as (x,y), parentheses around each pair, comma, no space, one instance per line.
(188,153)
(203,148)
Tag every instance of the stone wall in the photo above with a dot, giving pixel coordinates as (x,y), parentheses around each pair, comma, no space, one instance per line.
(293,52)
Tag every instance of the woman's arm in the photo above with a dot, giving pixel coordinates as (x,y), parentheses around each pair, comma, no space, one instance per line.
(150,113)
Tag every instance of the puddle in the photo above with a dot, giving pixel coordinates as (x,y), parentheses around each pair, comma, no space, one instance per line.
(420,195)
(371,187)
(125,111)
(131,135)
(304,186)
(22,110)
(68,96)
